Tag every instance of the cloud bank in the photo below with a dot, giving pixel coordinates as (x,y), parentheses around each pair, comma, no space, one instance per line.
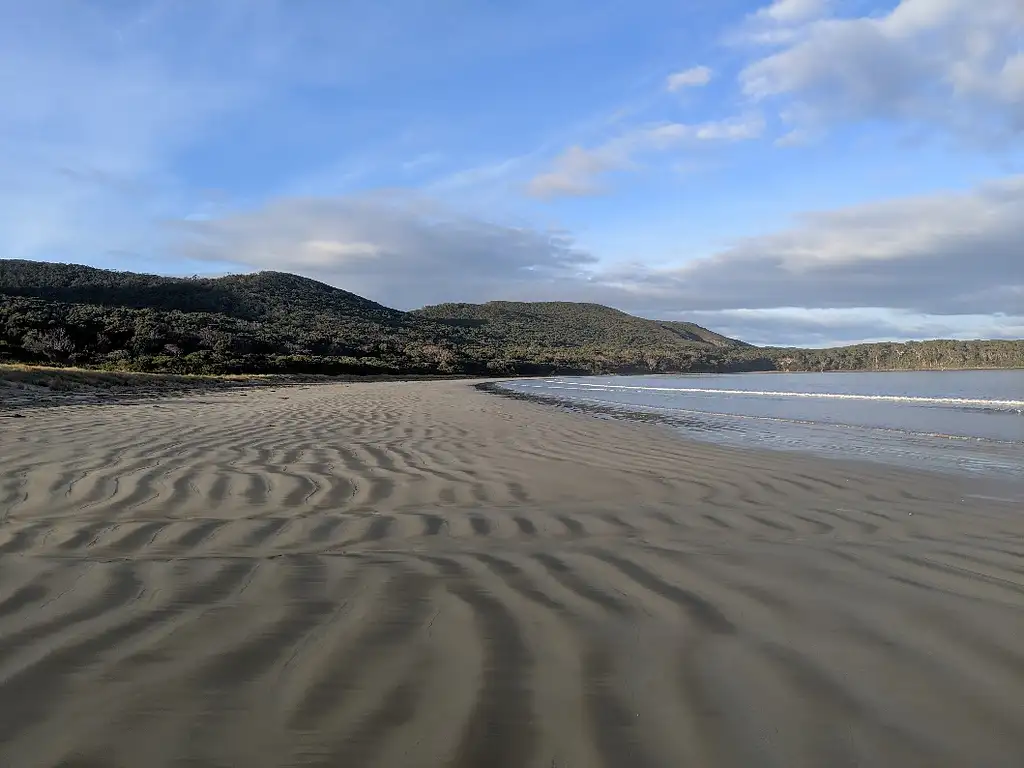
(400,249)
(957,64)
(955,255)
(951,253)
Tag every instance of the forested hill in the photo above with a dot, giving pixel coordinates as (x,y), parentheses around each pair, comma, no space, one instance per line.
(567,324)
(939,354)
(277,322)
(698,333)
(273,322)
(250,296)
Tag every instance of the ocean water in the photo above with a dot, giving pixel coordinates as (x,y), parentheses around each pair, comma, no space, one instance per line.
(967,421)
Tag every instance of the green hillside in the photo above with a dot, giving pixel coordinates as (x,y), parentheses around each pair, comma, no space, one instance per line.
(694,332)
(566,324)
(938,354)
(249,297)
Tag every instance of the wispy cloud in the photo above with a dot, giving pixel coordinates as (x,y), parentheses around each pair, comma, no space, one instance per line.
(475,175)
(422,160)
(689,78)
(575,172)
(792,11)
(578,171)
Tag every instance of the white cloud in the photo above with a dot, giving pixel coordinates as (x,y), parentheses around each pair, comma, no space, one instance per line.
(938,254)
(798,326)
(403,250)
(792,11)
(689,78)
(335,251)
(577,171)
(795,138)
(781,22)
(735,129)
(955,63)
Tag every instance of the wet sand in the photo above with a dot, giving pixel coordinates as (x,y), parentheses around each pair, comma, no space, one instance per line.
(421,574)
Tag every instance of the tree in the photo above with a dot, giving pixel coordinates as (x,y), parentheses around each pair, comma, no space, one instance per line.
(54,344)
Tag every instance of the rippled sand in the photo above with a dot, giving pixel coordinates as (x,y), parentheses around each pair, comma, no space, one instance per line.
(422,574)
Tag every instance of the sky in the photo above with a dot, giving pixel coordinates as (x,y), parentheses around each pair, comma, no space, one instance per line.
(806,172)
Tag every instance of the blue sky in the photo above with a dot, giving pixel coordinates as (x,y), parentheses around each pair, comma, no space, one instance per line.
(796,172)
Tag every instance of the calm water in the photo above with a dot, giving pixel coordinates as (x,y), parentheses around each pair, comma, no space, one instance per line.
(952,420)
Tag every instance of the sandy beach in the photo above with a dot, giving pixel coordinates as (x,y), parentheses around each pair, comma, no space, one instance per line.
(422,574)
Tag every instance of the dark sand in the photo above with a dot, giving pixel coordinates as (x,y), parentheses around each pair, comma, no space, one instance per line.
(425,575)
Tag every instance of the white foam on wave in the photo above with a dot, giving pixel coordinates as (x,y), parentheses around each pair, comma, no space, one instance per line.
(965,401)
(827,425)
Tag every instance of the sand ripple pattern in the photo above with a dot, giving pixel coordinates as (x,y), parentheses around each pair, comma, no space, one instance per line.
(424,575)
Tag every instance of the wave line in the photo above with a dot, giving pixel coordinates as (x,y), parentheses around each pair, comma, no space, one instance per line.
(1012,404)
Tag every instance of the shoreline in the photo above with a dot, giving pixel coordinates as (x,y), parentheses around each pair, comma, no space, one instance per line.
(32,387)
(1013,487)
(422,574)
(28,387)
